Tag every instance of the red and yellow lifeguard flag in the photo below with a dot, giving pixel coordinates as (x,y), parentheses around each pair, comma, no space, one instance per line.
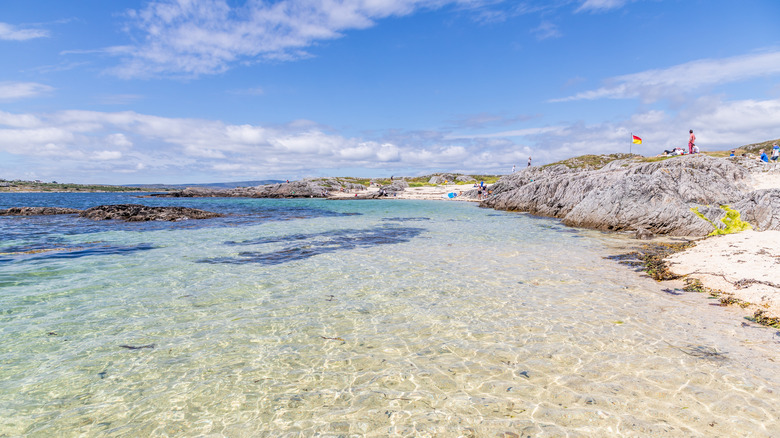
(636,140)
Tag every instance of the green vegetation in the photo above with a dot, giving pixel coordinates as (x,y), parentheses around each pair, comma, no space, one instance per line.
(39,186)
(761,318)
(592,162)
(732,221)
(654,159)
(413,181)
(755,147)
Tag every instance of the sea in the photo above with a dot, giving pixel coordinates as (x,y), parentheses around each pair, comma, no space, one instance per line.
(359,318)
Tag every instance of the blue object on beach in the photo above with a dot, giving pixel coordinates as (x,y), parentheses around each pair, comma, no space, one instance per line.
(451,195)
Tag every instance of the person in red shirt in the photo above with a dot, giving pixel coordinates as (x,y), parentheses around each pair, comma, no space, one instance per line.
(691,142)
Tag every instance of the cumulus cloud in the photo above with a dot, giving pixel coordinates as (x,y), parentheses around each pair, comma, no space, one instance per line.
(119,140)
(19,120)
(182,37)
(21,90)
(107,155)
(652,85)
(153,147)
(14,33)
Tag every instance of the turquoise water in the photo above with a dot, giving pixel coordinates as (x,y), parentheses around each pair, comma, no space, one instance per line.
(358,318)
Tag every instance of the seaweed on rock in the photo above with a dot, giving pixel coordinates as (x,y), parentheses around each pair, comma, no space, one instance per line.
(732,221)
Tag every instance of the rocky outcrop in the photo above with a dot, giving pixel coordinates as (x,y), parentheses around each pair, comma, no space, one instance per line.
(308,188)
(142,213)
(35,211)
(761,209)
(632,195)
(124,212)
(449,177)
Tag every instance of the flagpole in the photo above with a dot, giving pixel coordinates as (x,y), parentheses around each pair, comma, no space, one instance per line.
(630,145)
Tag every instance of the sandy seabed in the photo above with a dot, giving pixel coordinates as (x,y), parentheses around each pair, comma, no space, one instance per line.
(745,266)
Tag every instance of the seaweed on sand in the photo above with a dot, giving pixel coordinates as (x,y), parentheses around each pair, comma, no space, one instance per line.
(651,258)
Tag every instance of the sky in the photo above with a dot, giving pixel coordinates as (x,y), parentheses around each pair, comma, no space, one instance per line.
(200,91)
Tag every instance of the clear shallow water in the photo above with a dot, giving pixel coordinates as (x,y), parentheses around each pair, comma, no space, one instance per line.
(351,318)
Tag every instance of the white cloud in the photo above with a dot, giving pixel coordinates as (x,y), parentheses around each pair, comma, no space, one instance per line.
(600,5)
(504,134)
(13,33)
(107,155)
(119,140)
(184,37)
(20,90)
(652,85)
(24,141)
(388,152)
(362,151)
(82,142)
(19,120)
(546,30)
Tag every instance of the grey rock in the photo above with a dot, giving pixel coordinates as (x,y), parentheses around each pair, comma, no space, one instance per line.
(761,208)
(643,234)
(628,194)
(141,213)
(319,188)
(34,211)
(449,177)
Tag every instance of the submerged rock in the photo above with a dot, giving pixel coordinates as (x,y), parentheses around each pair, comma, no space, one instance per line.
(628,195)
(34,211)
(643,234)
(142,213)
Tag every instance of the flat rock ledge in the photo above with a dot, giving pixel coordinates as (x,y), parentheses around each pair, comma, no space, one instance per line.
(632,195)
(142,213)
(122,212)
(37,211)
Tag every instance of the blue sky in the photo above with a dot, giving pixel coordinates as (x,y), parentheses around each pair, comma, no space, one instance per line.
(188,91)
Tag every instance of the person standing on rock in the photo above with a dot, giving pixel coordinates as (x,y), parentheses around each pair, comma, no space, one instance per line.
(691,142)
(775,152)
(529,161)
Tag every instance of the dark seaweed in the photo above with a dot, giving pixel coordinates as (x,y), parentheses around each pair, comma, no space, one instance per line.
(37,253)
(406,219)
(304,246)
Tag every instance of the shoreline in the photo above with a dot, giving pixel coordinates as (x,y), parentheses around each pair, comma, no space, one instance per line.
(428,193)
(743,268)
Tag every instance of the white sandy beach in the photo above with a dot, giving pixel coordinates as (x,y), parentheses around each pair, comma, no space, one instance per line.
(438,192)
(745,266)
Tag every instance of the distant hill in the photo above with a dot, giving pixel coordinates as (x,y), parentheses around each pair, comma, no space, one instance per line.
(755,147)
(224,185)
